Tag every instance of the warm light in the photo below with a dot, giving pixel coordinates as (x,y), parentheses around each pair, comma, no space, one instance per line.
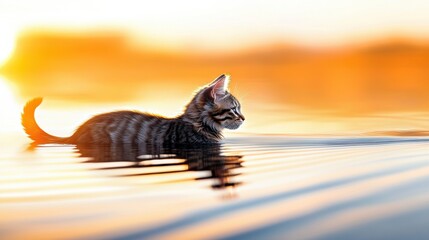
(222,24)
(7,45)
(10,111)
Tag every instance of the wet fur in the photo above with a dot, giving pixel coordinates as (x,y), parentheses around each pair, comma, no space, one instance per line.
(211,110)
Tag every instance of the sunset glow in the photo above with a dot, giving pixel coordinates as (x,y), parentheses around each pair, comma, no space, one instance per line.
(7,45)
(301,66)
(9,108)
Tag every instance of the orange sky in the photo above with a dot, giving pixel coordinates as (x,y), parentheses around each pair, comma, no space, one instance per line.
(384,77)
(286,87)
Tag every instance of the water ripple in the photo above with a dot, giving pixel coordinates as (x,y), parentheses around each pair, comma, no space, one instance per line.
(248,187)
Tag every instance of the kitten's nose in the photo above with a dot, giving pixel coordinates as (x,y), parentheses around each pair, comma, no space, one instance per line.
(241,117)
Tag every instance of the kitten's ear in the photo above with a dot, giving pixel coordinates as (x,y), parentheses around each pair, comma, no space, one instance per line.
(218,87)
(221,77)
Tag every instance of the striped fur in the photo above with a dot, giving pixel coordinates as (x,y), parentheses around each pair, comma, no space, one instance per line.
(211,110)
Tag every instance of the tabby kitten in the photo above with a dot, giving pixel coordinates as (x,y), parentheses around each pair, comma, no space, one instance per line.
(211,110)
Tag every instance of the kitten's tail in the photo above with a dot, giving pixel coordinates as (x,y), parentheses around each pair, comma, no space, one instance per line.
(32,128)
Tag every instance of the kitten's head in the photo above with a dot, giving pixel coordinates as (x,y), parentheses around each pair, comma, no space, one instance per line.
(217,107)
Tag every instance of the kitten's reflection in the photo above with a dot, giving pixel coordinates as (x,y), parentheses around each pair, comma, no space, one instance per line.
(201,158)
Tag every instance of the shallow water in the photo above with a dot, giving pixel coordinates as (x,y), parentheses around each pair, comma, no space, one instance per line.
(253,187)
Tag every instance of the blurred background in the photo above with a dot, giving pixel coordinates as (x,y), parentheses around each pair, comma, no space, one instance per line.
(298,67)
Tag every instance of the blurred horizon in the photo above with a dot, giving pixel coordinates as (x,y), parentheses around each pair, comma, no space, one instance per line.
(73,65)
(297,67)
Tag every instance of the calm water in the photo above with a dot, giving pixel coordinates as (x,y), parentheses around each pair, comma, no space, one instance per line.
(251,187)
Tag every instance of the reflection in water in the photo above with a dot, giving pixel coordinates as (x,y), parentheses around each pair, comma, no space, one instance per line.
(196,158)
(370,187)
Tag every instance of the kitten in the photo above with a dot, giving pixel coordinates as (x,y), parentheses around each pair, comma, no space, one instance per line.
(211,110)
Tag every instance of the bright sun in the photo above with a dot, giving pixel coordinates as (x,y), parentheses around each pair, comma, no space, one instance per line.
(9,109)
(7,45)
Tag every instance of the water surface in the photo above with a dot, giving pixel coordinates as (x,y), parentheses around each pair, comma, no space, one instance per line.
(252,187)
